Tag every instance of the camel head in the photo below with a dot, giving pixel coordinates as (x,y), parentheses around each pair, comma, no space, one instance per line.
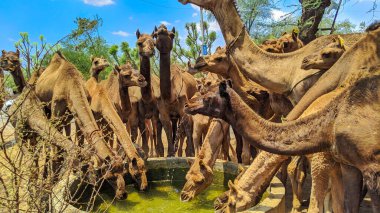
(113,172)
(215,103)
(289,42)
(206,83)
(164,38)
(228,202)
(216,62)
(98,64)
(145,43)
(129,76)
(327,57)
(270,45)
(10,60)
(198,178)
(137,170)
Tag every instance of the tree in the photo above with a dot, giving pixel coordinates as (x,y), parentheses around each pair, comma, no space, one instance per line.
(312,13)
(191,49)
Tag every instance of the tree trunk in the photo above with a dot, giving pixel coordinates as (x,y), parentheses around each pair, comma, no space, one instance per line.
(312,13)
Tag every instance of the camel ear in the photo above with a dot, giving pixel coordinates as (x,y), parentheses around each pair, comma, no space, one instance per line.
(285,33)
(117,68)
(340,41)
(173,30)
(4,52)
(229,82)
(92,58)
(138,34)
(295,34)
(18,52)
(223,88)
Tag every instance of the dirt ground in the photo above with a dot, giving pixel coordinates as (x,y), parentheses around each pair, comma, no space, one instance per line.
(8,135)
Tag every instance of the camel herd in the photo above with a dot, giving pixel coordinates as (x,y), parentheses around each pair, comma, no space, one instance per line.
(291,106)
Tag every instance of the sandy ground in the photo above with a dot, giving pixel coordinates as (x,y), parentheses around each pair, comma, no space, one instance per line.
(8,135)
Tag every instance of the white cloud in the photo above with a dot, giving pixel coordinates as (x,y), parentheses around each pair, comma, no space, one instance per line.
(195,7)
(213,26)
(165,23)
(99,3)
(277,14)
(121,33)
(177,21)
(195,14)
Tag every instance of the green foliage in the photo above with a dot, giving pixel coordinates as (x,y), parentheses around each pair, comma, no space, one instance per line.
(193,49)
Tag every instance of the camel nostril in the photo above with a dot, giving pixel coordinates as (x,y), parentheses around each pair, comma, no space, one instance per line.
(305,60)
(186,104)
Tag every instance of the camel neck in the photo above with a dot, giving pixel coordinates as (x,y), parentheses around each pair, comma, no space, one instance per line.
(291,138)
(18,78)
(165,83)
(146,92)
(275,72)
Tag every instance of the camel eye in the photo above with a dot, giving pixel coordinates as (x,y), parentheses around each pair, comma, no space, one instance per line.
(219,59)
(139,44)
(96,62)
(286,44)
(326,55)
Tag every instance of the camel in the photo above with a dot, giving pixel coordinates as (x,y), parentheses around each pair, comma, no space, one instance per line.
(146,105)
(176,87)
(11,61)
(107,117)
(279,73)
(326,129)
(323,60)
(61,87)
(285,44)
(200,174)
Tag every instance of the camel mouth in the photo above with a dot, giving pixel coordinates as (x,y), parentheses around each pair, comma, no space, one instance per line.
(306,66)
(200,65)
(192,107)
(183,1)
(186,196)
(147,54)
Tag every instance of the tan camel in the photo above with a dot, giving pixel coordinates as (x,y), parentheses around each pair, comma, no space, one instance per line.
(10,61)
(200,174)
(323,60)
(146,105)
(354,146)
(61,86)
(176,87)
(285,44)
(109,120)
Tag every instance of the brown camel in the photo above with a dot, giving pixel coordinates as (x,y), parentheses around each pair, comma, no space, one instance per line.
(146,106)
(109,120)
(176,87)
(10,61)
(61,87)
(354,146)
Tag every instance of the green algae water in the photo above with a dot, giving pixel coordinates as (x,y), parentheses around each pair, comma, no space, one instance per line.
(162,196)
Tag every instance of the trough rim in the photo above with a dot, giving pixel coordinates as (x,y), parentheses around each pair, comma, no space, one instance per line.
(274,203)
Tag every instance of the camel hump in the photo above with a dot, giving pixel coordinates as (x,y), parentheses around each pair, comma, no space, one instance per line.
(373,26)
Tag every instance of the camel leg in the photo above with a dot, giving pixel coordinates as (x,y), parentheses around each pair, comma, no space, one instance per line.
(353,182)
(337,189)
(159,144)
(375,200)
(144,135)
(180,148)
(246,154)
(79,135)
(189,126)
(321,165)
(254,152)
(292,174)
(133,121)
(239,145)
(149,127)
(225,145)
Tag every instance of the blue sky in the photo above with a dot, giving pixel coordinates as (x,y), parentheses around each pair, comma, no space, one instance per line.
(121,18)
